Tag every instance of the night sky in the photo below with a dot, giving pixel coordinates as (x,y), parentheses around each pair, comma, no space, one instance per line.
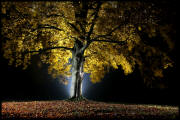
(35,84)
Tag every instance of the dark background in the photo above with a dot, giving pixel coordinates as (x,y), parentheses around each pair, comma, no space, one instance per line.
(35,84)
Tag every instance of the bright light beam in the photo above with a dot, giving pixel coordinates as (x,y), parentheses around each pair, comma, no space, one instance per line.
(69,86)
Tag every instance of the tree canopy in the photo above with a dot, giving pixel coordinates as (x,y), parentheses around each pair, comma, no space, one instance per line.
(114,34)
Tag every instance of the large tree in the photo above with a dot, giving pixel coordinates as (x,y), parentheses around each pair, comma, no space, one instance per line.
(91,37)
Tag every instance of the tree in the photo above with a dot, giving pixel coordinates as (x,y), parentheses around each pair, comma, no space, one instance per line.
(93,36)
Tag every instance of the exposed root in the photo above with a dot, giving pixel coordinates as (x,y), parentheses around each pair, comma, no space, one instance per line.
(80,98)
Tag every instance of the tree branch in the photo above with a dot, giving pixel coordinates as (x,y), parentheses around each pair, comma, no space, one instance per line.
(94,20)
(53,15)
(46,49)
(65,19)
(47,26)
(110,41)
(73,26)
(110,33)
(102,36)
(86,45)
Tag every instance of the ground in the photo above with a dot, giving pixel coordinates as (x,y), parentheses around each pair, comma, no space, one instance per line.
(86,109)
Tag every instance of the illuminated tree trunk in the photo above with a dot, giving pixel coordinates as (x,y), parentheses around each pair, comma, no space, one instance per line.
(77,71)
(78,51)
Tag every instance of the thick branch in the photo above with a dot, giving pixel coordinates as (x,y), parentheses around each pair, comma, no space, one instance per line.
(46,49)
(94,20)
(86,45)
(74,27)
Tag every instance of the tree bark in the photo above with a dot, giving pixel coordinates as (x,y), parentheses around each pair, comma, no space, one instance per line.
(77,71)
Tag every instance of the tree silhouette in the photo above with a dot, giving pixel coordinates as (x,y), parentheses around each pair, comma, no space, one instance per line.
(92,36)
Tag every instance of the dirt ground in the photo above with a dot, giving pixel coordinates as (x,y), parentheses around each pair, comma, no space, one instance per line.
(85,110)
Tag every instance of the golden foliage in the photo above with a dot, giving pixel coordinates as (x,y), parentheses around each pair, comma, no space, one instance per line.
(102,56)
(25,35)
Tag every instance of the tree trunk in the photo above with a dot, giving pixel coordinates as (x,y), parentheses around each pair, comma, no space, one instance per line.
(77,72)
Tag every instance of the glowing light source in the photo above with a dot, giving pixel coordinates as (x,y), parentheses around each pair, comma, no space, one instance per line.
(72,87)
(70,92)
